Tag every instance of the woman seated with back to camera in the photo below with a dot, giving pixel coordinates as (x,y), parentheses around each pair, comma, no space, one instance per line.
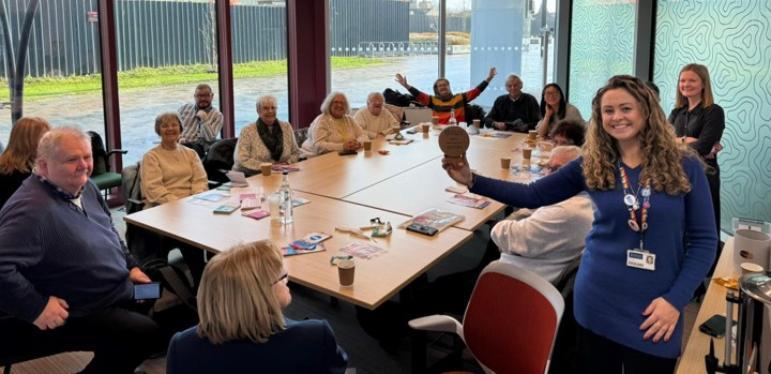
(334,129)
(242,327)
(17,161)
(568,132)
(266,140)
(169,172)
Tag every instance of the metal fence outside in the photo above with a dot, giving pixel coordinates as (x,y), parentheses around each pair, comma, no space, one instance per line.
(65,33)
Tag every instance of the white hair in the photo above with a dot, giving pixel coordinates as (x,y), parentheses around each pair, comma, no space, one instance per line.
(373,95)
(264,99)
(327,103)
(572,152)
(49,143)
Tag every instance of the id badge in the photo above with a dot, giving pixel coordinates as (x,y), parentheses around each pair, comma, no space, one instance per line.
(640,259)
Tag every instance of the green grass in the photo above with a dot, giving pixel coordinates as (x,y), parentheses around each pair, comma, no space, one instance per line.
(142,78)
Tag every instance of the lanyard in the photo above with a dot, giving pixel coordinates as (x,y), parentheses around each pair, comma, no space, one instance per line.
(631,200)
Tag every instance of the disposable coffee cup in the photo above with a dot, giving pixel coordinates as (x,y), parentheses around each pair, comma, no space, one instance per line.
(345,269)
(425,127)
(266,168)
(367,145)
(505,163)
(477,123)
(532,135)
(750,268)
(434,121)
(526,153)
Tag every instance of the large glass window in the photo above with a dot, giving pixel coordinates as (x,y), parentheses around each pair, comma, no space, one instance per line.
(258,30)
(510,35)
(372,40)
(732,41)
(62,80)
(165,49)
(601,46)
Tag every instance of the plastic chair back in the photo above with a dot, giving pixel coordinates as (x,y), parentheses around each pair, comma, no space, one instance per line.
(511,320)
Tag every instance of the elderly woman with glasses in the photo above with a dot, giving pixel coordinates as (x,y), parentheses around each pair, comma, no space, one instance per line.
(266,140)
(242,327)
(334,129)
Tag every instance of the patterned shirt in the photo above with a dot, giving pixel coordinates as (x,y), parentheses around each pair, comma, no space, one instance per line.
(193,128)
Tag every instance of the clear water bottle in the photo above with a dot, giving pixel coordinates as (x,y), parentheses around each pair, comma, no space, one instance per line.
(453,121)
(285,191)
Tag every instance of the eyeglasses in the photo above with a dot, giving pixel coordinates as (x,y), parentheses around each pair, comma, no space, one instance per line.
(283,276)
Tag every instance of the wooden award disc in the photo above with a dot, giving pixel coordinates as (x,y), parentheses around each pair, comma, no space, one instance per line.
(454,141)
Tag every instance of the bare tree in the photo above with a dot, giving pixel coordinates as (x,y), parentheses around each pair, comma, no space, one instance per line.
(208,32)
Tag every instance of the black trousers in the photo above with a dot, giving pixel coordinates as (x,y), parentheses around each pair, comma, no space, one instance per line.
(120,338)
(713,178)
(147,246)
(598,355)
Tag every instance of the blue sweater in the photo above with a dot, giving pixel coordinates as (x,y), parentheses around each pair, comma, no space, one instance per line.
(50,247)
(609,296)
(303,347)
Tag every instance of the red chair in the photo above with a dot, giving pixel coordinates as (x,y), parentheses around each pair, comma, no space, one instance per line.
(510,323)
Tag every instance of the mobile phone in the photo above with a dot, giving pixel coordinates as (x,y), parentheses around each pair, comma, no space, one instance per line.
(412,131)
(147,291)
(714,326)
(347,152)
(422,229)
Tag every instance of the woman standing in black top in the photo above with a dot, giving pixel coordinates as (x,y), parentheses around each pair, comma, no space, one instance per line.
(699,122)
(17,160)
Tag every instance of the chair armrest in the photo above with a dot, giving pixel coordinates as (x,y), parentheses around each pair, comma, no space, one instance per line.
(114,151)
(437,322)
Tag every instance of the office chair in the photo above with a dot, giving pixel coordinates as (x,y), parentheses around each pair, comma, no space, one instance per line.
(102,175)
(510,323)
(219,160)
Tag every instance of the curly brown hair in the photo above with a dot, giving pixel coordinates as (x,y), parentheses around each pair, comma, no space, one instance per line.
(660,153)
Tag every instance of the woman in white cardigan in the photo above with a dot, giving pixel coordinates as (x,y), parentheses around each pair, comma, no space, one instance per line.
(334,129)
(266,140)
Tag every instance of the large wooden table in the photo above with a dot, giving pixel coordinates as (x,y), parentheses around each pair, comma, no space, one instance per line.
(349,190)
(697,345)
(406,256)
(337,176)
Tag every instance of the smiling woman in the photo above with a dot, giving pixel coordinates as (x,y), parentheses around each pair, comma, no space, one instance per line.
(649,195)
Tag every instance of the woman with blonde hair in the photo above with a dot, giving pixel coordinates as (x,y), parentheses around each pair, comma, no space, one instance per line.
(699,123)
(242,328)
(334,129)
(17,161)
(653,237)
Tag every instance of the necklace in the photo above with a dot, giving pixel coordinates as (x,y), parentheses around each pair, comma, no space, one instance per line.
(631,200)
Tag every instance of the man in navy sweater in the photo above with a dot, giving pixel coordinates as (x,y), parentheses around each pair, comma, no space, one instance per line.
(67,278)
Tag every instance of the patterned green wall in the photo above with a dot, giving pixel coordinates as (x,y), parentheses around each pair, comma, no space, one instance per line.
(601,46)
(733,39)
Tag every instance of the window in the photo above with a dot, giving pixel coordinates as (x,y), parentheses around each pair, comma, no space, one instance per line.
(259,45)
(601,46)
(506,34)
(372,40)
(165,49)
(62,80)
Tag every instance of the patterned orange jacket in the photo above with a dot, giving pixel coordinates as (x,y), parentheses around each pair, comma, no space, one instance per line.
(456,102)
